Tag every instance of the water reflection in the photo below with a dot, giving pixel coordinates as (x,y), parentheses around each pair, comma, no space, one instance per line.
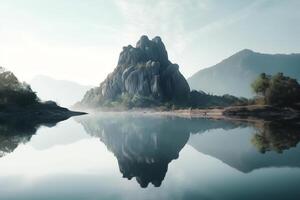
(259,145)
(145,145)
(276,136)
(14,131)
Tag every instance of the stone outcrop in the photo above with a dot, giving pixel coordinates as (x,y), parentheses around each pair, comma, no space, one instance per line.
(144,70)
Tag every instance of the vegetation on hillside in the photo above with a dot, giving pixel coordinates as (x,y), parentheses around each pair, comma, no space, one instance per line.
(200,99)
(14,92)
(20,97)
(276,90)
(129,101)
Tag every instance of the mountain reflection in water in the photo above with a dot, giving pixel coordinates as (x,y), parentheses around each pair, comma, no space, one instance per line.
(145,145)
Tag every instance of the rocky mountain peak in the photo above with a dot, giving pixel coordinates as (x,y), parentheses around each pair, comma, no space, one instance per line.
(143,42)
(144,51)
(246,51)
(144,70)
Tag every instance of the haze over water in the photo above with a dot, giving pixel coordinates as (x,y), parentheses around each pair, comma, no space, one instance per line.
(141,156)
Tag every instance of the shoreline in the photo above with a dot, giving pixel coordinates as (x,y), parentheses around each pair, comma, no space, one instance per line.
(251,113)
(37,113)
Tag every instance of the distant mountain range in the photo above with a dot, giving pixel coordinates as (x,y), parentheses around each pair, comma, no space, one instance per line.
(235,74)
(65,93)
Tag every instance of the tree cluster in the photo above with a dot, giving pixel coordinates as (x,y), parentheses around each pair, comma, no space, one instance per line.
(278,90)
(19,97)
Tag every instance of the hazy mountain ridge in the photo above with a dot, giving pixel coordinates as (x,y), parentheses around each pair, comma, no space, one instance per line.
(235,74)
(65,93)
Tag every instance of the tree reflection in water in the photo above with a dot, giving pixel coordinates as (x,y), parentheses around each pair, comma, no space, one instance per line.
(16,131)
(276,136)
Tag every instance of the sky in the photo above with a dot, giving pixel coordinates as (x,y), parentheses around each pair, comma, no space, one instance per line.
(80,40)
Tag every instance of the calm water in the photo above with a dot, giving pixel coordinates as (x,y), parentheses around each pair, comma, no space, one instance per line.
(128,156)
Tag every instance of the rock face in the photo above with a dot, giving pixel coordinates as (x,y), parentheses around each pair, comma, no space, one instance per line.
(144,70)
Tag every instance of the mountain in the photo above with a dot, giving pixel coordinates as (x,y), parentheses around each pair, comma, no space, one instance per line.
(65,93)
(235,74)
(143,76)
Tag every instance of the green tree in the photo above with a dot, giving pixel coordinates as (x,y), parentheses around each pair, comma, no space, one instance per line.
(277,89)
(261,84)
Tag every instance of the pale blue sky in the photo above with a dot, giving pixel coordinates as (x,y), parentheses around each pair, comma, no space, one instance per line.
(80,40)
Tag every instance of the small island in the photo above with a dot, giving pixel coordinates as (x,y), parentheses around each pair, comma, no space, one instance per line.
(19,103)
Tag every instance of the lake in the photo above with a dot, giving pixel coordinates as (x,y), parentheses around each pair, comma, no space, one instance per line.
(141,156)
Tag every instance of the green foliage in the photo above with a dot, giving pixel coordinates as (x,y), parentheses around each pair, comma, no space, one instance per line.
(199,99)
(8,80)
(20,97)
(143,101)
(276,137)
(125,100)
(277,90)
(14,92)
(129,101)
(261,84)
